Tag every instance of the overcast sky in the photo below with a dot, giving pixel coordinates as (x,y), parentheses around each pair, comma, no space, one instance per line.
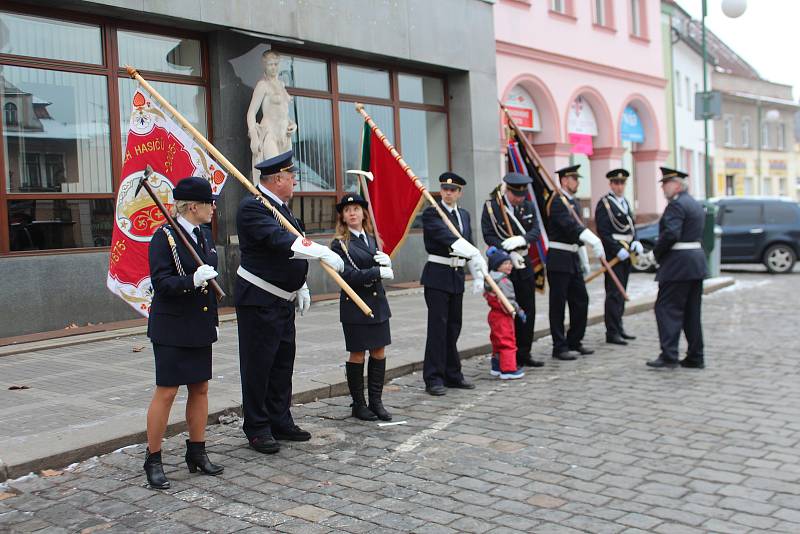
(767,36)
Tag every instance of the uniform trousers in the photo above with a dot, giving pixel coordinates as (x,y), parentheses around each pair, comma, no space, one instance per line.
(615,302)
(567,289)
(524,292)
(678,308)
(442,364)
(266,363)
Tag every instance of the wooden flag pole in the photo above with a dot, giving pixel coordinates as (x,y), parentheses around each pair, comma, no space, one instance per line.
(557,190)
(245,182)
(410,173)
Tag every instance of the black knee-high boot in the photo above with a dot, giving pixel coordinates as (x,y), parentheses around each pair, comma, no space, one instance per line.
(355,382)
(376,374)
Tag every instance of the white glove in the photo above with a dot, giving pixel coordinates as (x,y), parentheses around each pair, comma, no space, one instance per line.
(651,257)
(303,300)
(623,254)
(517,260)
(203,274)
(387,273)
(637,248)
(514,242)
(464,248)
(217,331)
(477,266)
(477,286)
(382,259)
(305,249)
(584,257)
(593,241)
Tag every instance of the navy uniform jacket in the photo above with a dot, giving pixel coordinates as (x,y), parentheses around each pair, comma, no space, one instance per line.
(526,216)
(181,315)
(365,279)
(683,221)
(266,251)
(618,222)
(563,228)
(438,238)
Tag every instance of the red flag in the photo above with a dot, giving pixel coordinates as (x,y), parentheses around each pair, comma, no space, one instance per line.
(153,139)
(394,197)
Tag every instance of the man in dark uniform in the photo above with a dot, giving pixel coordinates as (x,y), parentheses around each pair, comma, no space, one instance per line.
(520,214)
(614,218)
(567,263)
(270,284)
(681,270)
(443,279)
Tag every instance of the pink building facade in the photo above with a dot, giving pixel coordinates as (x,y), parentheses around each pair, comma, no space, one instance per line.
(586,78)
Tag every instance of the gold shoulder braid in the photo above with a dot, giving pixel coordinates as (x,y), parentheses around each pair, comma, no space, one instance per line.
(497,228)
(174,249)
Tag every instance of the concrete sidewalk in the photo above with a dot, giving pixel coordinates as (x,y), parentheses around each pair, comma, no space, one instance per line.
(88,396)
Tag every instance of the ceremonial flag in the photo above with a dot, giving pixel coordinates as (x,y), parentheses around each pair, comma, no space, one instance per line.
(394,197)
(153,139)
(538,193)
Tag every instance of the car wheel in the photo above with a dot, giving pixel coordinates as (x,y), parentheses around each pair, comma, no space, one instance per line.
(642,264)
(779,258)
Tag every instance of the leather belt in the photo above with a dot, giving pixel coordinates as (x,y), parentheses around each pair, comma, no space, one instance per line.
(569,247)
(452,261)
(686,245)
(266,286)
(622,237)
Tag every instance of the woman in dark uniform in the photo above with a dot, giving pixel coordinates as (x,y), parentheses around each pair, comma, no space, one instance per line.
(364,268)
(182,326)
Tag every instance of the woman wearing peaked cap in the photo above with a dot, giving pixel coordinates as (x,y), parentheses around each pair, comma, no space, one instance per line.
(182,326)
(364,269)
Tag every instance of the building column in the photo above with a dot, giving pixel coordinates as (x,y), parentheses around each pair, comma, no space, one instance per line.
(650,200)
(603,160)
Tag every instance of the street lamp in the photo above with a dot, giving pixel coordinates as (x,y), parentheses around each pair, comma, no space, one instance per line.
(732,9)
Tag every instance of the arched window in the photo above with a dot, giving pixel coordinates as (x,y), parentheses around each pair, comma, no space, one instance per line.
(10,111)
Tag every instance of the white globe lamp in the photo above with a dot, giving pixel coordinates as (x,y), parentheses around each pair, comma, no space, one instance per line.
(734,8)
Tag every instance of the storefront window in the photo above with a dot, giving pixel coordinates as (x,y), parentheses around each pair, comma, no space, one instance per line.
(421,89)
(43,224)
(304,73)
(60,142)
(313,143)
(30,36)
(352,130)
(424,135)
(159,53)
(363,81)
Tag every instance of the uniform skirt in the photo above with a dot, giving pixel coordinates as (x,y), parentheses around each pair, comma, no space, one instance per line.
(178,366)
(361,337)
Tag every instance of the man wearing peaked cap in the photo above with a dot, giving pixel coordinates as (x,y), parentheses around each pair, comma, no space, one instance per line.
(270,284)
(567,264)
(615,227)
(443,279)
(681,270)
(524,232)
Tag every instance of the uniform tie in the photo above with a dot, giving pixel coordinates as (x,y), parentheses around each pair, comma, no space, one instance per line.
(363,238)
(199,237)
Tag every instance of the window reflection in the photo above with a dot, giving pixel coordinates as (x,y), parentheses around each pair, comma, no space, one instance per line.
(313,143)
(159,53)
(52,224)
(60,141)
(304,73)
(363,81)
(421,89)
(351,130)
(424,135)
(318,213)
(26,35)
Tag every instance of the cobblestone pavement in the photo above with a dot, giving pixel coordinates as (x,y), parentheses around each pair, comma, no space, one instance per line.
(603,444)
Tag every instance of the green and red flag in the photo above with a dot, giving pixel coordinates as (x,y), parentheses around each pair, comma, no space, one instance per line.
(393,196)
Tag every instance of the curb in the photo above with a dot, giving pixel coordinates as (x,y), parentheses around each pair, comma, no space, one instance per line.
(307,395)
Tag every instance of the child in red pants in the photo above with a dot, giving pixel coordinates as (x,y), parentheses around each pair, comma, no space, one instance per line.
(502,335)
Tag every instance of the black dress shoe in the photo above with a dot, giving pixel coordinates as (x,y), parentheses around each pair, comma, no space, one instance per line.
(692,364)
(437,390)
(616,340)
(265,444)
(530,362)
(582,350)
(565,356)
(625,335)
(293,433)
(659,363)
(460,385)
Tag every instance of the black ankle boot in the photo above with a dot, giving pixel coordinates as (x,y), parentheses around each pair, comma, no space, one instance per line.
(376,374)
(196,457)
(154,470)
(355,382)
